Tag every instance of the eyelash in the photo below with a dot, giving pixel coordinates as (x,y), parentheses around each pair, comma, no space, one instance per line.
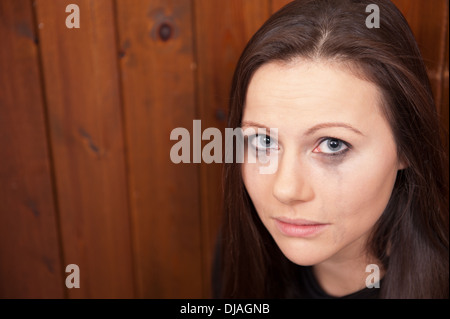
(258,149)
(338,153)
(333,154)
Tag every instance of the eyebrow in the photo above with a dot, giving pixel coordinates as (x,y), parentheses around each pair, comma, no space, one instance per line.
(332,124)
(254,124)
(311,130)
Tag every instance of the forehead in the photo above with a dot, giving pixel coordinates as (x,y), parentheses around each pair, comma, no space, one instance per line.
(308,91)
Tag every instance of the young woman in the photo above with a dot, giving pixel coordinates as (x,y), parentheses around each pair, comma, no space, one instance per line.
(359,192)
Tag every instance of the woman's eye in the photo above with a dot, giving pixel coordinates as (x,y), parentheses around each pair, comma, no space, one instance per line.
(331,146)
(262,142)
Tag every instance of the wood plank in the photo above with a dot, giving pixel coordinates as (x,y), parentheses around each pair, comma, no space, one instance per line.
(156,49)
(427,20)
(30,260)
(444,113)
(278,4)
(222,31)
(444,99)
(86,129)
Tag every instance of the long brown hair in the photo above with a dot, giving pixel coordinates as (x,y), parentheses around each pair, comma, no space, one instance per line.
(411,236)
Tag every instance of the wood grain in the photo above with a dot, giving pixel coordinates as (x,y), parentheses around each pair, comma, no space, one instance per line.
(86,129)
(444,113)
(428,21)
(445,89)
(278,4)
(223,28)
(30,259)
(157,64)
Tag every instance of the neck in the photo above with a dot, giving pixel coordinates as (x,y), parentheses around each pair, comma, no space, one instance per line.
(345,273)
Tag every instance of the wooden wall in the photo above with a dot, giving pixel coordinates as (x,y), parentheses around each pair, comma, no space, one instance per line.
(85,120)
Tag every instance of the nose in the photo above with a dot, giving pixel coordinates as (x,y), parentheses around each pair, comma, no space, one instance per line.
(292,181)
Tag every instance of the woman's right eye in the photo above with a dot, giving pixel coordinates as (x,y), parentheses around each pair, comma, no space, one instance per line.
(262,142)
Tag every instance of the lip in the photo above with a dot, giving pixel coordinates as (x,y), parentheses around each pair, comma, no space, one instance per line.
(301,228)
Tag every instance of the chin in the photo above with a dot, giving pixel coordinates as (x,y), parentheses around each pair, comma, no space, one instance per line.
(303,256)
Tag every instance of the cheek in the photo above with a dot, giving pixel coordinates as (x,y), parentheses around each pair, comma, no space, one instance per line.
(257,186)
(358,193)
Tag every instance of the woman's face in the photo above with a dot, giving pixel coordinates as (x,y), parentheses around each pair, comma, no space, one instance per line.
(337,159)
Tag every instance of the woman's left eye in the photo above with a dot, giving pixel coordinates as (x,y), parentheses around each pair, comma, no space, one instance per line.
(332,146)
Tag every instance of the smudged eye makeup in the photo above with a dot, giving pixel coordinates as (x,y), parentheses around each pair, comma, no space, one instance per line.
(328,146)
(331,146)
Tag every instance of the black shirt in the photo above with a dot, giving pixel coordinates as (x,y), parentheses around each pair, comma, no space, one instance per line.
(308,286)
(311,288)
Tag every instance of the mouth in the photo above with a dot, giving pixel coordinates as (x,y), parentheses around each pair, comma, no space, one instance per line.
(301,228)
